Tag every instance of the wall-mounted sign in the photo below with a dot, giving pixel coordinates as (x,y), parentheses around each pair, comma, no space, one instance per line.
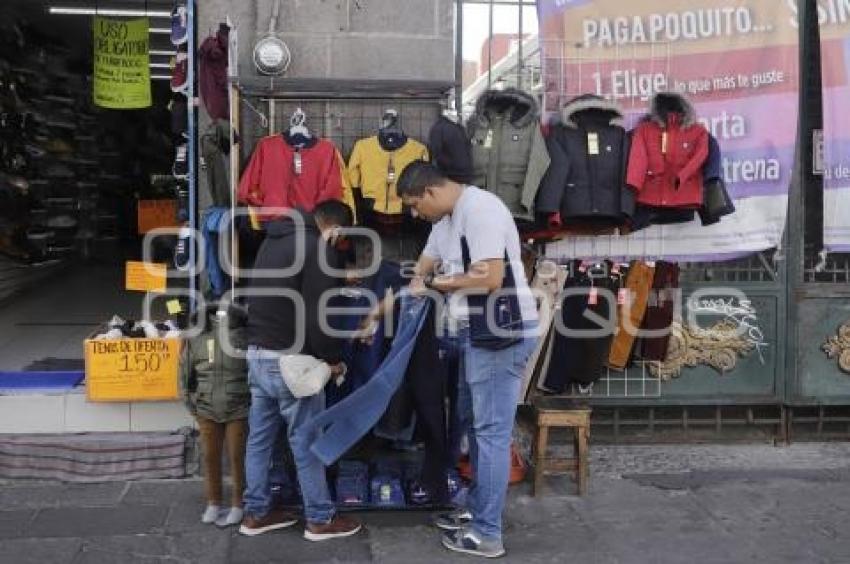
(122,78)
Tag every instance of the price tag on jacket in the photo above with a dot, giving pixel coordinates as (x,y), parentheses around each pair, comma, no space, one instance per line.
(593,296)
(623,296)
(664,143)
(297,163)
(592,143)
(488,140)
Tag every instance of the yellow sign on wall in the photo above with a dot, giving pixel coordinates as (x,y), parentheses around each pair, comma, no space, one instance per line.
(132,369)
(122,78)
(146,276)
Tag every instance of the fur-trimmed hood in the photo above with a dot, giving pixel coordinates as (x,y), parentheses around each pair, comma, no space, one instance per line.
(590,102)
(522,106)
(665,103)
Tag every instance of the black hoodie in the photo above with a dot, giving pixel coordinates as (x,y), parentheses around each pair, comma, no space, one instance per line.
(272,321)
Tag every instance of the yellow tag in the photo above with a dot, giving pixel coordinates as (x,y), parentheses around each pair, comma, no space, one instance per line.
(592,143)
(255,221)
(211,350)
(173,307)
(664,143)
(488,141)
(145,277)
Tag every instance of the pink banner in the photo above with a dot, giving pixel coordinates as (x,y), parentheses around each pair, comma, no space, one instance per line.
(738,65)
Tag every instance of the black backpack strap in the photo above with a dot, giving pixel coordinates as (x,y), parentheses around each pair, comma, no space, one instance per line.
(467,261)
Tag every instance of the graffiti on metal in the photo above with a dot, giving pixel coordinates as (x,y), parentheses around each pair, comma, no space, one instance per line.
(718,347)
(838,346)
(737,311)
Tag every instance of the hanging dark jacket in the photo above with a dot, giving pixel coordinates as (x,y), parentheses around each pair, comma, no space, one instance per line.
(509,156)
(596,147)
(716,201)
(272,320)
(212,73)
(450,150)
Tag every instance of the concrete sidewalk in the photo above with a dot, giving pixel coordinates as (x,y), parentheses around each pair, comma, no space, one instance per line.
(670,504)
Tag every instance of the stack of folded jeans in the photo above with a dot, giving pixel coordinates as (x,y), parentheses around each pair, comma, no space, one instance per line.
(352,483)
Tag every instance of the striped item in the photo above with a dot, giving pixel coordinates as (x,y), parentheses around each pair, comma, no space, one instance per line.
(93,457)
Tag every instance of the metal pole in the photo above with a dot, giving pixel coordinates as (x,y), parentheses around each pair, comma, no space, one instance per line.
(520,61)
(459,56)
(490,48)
(194,281)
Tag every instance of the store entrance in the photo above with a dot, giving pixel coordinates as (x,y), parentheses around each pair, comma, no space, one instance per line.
(71,177)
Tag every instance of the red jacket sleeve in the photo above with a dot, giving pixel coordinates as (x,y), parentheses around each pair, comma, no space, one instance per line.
(330,182)
(638,160)
(250,191)
(697,160)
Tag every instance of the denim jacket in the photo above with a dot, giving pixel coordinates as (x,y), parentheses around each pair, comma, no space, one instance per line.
(351,419)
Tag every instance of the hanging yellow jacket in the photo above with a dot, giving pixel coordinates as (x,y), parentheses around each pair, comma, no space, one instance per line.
(375,171)
(347,194)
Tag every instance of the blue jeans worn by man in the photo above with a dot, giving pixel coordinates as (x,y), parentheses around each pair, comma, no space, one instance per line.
(273,405)
(487,400)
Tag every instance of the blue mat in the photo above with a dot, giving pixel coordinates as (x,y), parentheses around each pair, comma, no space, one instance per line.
(60,380)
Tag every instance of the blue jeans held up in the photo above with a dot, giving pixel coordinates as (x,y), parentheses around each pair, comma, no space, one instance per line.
(272,405)
(337,429)
(490,390)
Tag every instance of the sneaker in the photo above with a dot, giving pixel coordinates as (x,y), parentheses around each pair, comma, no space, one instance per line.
(229,518)
(454,521)
(210,515)
(181,250)
(179,27)
(274,520)
(340,527)
(467,542)
(180,72)
(180,169)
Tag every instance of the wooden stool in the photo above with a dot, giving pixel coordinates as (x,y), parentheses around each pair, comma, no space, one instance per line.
(579,420)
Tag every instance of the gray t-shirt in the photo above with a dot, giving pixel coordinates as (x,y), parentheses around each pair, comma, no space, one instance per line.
(489,229)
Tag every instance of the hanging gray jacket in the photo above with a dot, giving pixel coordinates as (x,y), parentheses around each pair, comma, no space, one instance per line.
(215,384)
(509,156)
(215,150)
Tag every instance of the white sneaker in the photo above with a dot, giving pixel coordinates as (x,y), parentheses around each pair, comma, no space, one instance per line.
(210,515)
(230,518)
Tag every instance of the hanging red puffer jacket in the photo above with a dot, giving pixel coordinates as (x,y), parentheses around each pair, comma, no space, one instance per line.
(669,149)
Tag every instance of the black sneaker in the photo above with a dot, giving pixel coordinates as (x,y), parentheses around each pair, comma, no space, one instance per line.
(181,250)
(180,169)
(467,542)
(453,521)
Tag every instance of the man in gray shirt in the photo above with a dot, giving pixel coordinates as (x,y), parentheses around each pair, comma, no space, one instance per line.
(492,376)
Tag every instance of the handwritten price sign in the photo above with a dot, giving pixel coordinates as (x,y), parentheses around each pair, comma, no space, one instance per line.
(132,370)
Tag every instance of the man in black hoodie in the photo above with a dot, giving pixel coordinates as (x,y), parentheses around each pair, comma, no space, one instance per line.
(284,317)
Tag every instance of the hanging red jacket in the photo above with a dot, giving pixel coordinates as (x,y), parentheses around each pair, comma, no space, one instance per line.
(668,151)
(272,180)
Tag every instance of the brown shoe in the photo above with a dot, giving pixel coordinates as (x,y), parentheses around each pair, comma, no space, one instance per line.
(341,526)
(275,519)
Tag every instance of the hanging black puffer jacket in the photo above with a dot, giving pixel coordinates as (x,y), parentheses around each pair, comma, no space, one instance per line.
(597,148)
